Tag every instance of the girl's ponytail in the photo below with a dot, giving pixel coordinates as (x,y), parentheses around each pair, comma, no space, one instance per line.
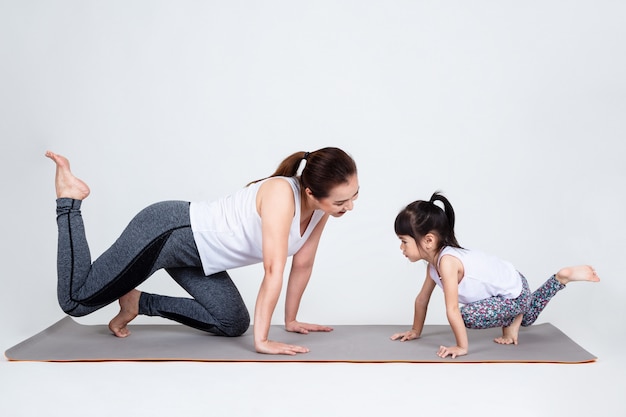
(422,217)
(447,209)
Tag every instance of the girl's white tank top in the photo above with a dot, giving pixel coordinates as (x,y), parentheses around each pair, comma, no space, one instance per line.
(485,276)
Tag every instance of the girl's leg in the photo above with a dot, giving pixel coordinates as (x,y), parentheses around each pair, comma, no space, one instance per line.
(523,310)
(496,311)
(542,296)
(216,306)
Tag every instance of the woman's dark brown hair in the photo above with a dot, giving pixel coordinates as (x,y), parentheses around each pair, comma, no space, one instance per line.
(324,169)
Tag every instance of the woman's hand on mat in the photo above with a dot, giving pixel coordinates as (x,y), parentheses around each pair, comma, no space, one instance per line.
(305,328)
(453,351)
(404,336)
(277,348)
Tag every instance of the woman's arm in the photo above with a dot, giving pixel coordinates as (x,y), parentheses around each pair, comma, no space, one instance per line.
(450,271)
(301,268)
(276,206)
(419,315)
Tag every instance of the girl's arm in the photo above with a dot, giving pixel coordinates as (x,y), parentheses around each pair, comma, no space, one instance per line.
(301,268)
(419,316)
(276,207)
(450,271)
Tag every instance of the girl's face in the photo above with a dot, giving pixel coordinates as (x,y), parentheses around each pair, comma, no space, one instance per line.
(341,198)
(409,248)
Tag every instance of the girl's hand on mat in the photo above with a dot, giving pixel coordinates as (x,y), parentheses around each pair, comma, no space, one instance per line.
(404,336)
(305,328)
(278,348)
(454,351)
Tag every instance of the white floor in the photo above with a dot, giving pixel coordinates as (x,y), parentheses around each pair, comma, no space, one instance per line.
(256,389)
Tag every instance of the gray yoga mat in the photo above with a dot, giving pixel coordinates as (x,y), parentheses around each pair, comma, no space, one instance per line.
(69,341)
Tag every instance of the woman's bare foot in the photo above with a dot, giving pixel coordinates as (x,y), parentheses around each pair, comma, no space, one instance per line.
(129,309)
(66,184)
(577,273)
(510,334)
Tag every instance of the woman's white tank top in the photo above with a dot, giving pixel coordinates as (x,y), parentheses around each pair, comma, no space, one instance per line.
(227,231)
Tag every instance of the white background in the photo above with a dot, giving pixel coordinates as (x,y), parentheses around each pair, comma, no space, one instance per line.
(515,110)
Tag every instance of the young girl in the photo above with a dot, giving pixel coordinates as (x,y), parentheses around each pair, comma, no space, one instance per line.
(196,243)
(491,291)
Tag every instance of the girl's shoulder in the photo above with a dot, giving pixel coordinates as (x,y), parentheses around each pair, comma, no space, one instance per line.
(452,255)
(456,252)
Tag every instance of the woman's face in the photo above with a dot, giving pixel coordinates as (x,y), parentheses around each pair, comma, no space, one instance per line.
(341,198)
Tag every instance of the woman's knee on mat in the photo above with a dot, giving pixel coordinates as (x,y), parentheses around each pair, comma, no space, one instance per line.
(236,325)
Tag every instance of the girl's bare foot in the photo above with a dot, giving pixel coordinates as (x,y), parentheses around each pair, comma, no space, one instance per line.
(510,334)
(66,184)
(129,309)
(577,273)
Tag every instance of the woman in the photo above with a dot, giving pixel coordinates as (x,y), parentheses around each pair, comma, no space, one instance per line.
(196,243)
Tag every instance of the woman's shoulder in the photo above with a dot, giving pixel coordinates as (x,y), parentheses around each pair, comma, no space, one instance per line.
(277,184)
(277,192)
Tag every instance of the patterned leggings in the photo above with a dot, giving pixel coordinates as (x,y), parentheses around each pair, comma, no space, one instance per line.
(500,311)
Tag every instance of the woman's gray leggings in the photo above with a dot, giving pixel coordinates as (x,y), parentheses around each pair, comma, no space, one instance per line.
(159,237)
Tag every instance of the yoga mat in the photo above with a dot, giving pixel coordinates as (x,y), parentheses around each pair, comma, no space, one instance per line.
(69,341)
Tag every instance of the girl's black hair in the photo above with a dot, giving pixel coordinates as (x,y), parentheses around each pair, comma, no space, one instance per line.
(324,169)
(422,217)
